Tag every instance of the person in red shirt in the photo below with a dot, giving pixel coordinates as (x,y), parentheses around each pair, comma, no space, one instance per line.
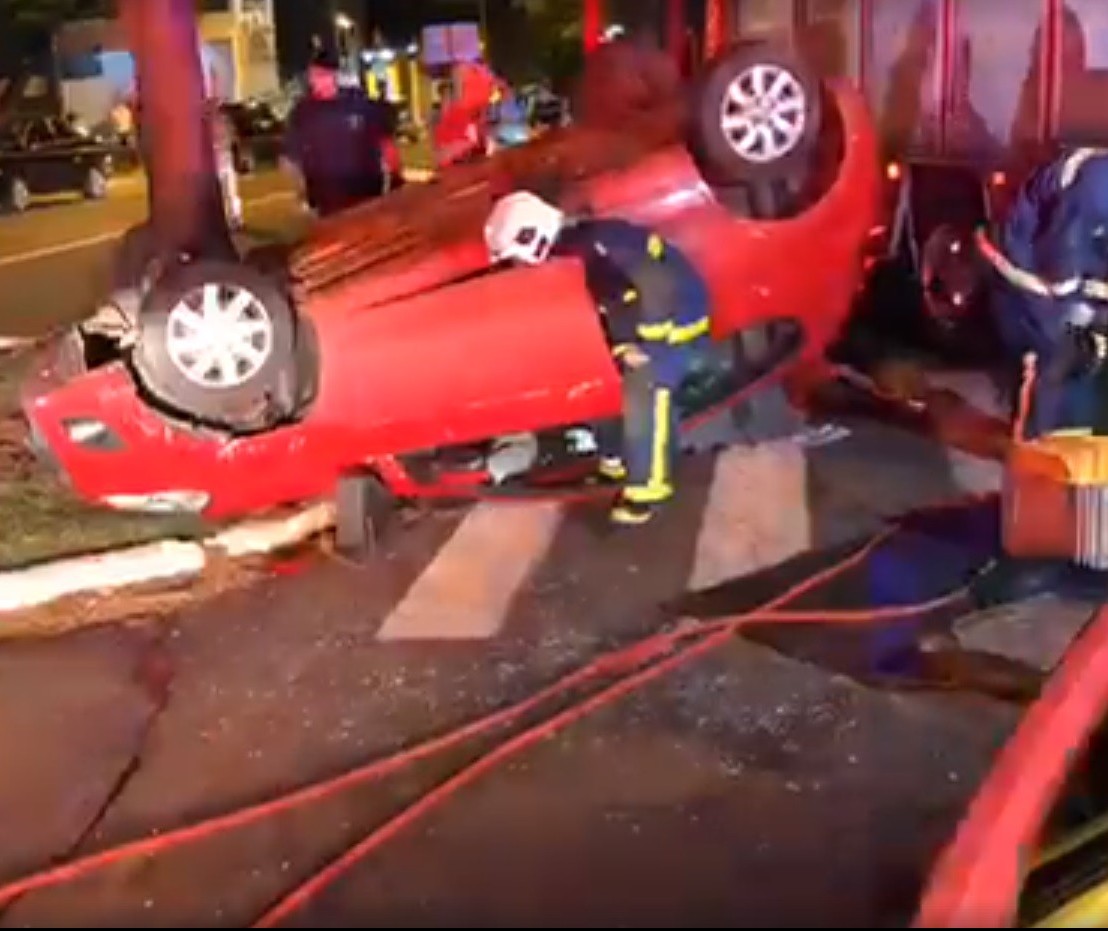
(462,132)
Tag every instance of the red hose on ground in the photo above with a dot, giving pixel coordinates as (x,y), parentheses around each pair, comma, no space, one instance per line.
(639,664)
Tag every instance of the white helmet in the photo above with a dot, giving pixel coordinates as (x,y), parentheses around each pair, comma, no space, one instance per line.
(522,227)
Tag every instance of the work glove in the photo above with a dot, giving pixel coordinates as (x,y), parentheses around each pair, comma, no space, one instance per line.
(1085,350)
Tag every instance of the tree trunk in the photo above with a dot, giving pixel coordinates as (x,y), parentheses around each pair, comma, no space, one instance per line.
(185,200)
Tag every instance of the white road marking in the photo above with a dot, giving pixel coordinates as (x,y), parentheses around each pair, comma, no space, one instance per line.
(468,589)
(413,175)
(757,513)
(47,252)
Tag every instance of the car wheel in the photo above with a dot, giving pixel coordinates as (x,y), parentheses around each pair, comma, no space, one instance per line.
(217,343)
(363,507)
(96,184)
(757,116)
(17,197)
(953,279)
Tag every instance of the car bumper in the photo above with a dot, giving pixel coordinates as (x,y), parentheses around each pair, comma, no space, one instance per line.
(92,428)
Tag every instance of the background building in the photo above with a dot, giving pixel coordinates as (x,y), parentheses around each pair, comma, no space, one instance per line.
(238,50)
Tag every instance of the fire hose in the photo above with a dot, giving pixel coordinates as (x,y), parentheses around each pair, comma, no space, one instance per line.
(625,671)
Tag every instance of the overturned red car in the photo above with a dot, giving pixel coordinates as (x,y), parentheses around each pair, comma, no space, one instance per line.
(386,345)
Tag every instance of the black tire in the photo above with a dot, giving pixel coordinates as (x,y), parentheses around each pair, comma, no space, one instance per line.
(95,185)
(16,195)
(265,398)
(363,507)
(786,157)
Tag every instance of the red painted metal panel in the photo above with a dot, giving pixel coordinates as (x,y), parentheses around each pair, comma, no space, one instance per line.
(996,86)
(717,28)
(592,24)
(1081,52)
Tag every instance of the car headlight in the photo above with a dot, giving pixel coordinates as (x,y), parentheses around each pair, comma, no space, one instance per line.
(92,434)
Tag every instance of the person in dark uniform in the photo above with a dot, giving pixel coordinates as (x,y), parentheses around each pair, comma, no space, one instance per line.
(334,142)
(1052,261)
(655,310)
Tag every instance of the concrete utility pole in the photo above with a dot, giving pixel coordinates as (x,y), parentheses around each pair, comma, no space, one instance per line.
(185,201)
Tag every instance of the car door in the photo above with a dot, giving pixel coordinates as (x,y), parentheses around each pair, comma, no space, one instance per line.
(74,154)
(40,164)
(1032,849)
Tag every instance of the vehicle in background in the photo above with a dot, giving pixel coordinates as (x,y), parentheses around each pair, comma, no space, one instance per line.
(967,96)
(52,155)
(508,122)
(545,109)
(1032,849)
(257,134)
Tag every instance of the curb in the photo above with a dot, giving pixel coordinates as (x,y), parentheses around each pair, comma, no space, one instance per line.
(163,561)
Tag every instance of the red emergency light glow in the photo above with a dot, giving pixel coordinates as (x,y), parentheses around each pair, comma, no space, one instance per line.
(892,171)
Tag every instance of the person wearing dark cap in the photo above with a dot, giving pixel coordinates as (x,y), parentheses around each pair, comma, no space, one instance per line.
(335,141)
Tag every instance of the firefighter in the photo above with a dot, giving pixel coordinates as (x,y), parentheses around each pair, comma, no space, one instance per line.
(655,310)
(335,142)
(1052,258)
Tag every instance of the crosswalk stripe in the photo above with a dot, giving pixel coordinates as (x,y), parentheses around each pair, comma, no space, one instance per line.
(467,590)
(756,515)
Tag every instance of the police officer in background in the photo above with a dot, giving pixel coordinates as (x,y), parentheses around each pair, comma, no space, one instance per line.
(335,141)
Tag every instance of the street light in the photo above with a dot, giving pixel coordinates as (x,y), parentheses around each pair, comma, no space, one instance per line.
(344,32)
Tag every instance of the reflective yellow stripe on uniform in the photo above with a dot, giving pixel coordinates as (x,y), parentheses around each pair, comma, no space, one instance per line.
(655,247)
(654,332)
(1074,162)
(1096,290)
(689,331)
(630,296)
(657,487)
(1020,277)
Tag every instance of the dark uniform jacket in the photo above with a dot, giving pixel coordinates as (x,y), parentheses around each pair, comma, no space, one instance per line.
(648,292)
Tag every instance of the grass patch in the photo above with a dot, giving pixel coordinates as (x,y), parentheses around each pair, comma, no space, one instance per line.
(42,520)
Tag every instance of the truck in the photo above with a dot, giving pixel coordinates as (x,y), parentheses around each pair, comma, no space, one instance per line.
(967,96)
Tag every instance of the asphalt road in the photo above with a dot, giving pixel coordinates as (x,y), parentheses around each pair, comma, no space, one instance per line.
(766,785)
(55,259)
(774,784)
